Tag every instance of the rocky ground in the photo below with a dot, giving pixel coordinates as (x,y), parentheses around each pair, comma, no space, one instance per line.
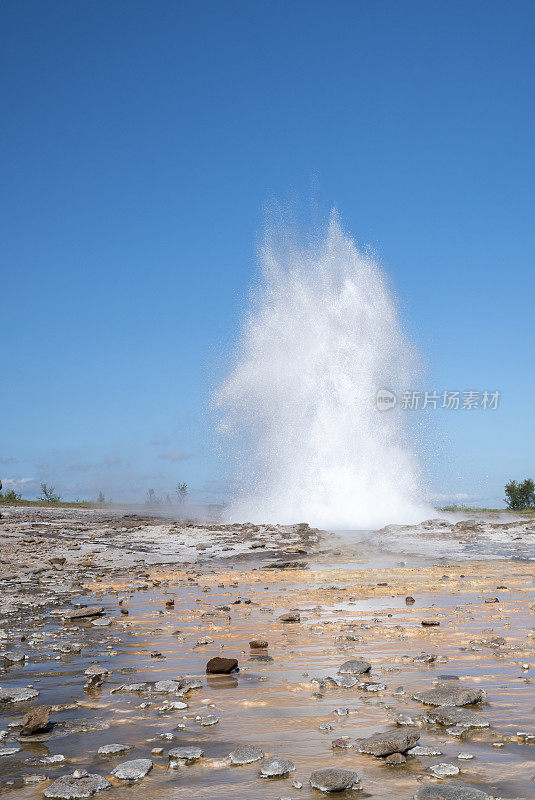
(150,657)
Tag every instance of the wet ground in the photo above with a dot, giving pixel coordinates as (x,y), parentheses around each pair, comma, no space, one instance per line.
(352,604)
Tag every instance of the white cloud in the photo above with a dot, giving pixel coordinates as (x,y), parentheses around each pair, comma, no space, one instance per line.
(19,483)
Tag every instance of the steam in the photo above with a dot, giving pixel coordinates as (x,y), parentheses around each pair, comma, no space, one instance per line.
(322,336)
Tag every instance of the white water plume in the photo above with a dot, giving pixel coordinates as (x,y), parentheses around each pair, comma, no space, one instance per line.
(321,337)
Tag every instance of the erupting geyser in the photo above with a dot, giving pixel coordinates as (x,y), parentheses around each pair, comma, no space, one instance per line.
(322,336)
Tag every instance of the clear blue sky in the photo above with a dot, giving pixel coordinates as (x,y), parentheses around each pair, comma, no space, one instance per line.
(140,143)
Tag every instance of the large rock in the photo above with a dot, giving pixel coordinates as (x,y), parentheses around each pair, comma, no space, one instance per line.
(245,754)
(450,695)
(354,667)
(133,770)
(81,613)
(36,721)
(78,785)
(449,791)
(275,766)
(453,715)
(221,666)
(335,780)
(392,741)
(186,754)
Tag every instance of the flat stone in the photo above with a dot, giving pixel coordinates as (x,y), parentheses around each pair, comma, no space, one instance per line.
(208,720)
(14,657)
(423,751)
(258,644)
(9,751)
(449,791)
(167,686)
(392,741)
(275,766)
(19,695)
(96,671)
(453,715)
(291,616)
(354,667)
(113,749)
(450,695)
(81,613)
(245,754)
(133,687)
(219,665)
(187,754)
(443,770)
(335,780)
(133,770)
(78,785)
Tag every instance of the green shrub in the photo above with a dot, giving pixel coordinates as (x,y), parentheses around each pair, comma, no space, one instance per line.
(520,495)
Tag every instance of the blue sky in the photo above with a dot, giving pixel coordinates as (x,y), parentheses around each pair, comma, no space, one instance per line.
(140,145)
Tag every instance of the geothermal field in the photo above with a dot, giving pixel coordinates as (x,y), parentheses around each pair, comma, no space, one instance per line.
(267,486)
(150,657)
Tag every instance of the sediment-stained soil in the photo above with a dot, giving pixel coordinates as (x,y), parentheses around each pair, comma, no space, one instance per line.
(127,676)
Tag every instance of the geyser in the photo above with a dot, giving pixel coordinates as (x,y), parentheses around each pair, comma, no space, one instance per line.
(321,337)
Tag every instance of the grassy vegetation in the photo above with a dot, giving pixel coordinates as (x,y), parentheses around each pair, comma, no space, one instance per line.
(46,503)
(480,510)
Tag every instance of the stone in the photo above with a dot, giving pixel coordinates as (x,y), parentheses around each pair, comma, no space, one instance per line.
(113,749)
(384,744)
(36,721)
(186,754)
(219,665)
(453,715)
(343,742)
(394,759)
(404,719)
(258,644)
(245,754)
(449,791)
(133,770)
(17,695)
(78,785)
(167,686)
(9,751)
(443,770)
(82,613)
(430,623)
(291,616)
(450,695)
(14,657)
(275,766)
(423,751)
(133,687)
(354,667)
(208,720)
(335,780)
(96,671)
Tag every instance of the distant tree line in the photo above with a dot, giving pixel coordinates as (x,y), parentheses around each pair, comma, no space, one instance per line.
(178,496)
(520,495)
